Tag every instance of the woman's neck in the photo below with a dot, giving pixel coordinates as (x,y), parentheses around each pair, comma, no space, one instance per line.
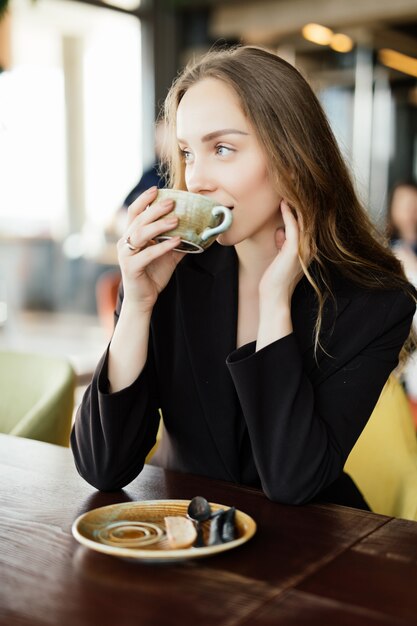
(254,256)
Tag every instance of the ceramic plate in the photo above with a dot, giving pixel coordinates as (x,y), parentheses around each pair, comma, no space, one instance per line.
(135,530)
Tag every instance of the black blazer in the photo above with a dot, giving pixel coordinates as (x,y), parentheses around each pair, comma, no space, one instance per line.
(278,418)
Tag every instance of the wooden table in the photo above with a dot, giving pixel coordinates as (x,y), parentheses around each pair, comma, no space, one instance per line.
(316,564)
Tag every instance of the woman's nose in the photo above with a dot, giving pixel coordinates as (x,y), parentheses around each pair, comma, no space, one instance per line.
(198,179)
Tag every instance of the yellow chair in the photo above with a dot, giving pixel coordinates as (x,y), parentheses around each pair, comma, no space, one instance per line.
(383,462)
(158,438)
(36,397)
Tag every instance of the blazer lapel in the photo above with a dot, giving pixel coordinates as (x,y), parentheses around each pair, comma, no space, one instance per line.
(208,289)
(208,300)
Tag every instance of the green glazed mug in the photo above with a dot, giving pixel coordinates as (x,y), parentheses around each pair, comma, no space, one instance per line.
(200,220)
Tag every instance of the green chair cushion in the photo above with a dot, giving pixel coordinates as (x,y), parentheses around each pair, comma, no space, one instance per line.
(36,396)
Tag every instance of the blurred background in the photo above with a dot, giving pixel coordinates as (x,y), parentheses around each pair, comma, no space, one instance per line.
(81,84)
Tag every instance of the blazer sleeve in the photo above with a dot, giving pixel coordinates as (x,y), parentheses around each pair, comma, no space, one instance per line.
(113,432)
(301,434)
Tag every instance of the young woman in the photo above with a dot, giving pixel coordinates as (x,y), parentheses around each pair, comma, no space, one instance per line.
(267,353)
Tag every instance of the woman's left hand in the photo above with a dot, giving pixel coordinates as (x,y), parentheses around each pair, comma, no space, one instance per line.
(281,277)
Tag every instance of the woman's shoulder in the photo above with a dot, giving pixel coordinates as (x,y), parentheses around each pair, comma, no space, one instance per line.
(382,297)
(378,316)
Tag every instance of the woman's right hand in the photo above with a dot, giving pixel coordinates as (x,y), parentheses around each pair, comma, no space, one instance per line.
(147,268)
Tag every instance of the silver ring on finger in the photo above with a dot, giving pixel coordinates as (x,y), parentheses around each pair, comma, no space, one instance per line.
(130,245)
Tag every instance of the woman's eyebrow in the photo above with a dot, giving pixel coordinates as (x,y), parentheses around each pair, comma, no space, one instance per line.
(224,131)
(218,133)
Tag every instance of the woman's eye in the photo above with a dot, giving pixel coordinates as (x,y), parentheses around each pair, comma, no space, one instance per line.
(186,155)
(223,150)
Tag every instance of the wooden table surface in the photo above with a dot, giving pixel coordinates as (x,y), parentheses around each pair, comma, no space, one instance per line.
(315,564)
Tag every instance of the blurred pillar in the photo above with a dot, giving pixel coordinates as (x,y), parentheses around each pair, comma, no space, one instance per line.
(404,163)
(195,39)
(160,45)
(362,121)
(72,52)
(148,82)
(382,145)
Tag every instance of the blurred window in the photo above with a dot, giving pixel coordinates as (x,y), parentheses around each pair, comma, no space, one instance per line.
(70,110)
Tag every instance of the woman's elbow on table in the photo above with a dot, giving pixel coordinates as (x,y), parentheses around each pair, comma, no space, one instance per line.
(101,472)
(106,481)
(107,485)
(287,494)
(294,488)
(287,498)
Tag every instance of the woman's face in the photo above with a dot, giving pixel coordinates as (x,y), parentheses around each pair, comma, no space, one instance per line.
(224,160)
(404,210)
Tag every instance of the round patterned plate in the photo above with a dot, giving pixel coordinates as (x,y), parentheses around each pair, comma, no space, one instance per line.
(136,530)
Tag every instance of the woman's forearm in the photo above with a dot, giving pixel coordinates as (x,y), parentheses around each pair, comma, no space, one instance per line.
(129,347)
(274,321)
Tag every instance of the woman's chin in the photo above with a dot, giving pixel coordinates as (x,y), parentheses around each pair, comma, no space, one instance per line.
(224,239)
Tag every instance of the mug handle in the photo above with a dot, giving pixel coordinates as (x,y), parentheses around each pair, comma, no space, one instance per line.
(224,225)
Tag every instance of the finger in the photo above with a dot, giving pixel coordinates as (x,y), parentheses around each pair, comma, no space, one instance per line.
(151,253)
(300,219)
(140,204)
(126,247)
(292,231)
(141,236)
(154,212)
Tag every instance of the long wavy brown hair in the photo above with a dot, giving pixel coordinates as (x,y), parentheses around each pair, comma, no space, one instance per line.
(304,163)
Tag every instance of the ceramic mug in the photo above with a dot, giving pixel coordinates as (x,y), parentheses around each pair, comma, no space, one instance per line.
(200,219)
